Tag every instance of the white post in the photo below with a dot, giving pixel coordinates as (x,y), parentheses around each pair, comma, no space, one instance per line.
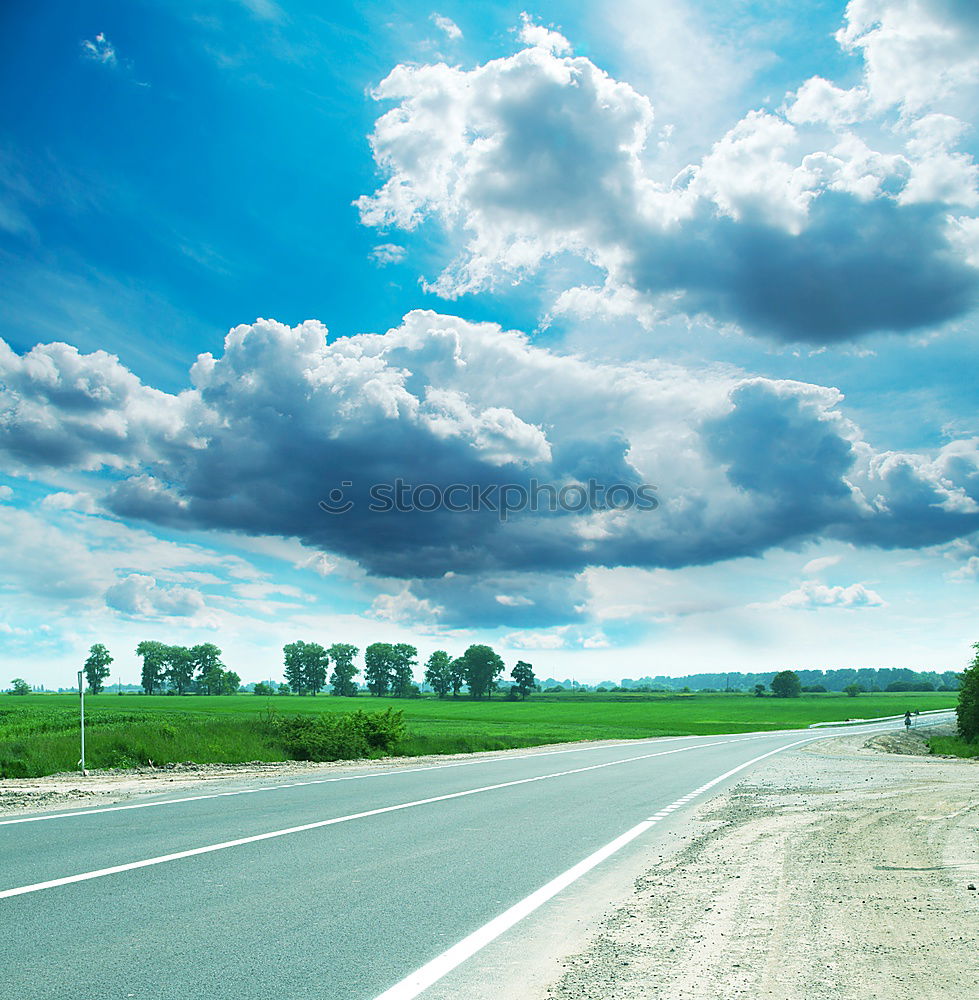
(81,696)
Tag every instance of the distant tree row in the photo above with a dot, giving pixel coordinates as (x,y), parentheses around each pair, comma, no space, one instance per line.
(868,679)
(389,669)
(184,669)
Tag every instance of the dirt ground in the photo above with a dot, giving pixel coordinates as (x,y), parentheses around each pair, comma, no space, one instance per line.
(846,871)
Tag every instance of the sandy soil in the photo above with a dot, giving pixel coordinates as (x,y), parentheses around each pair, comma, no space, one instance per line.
(848,870)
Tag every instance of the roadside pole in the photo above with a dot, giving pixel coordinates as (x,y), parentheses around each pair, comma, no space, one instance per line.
(81,697)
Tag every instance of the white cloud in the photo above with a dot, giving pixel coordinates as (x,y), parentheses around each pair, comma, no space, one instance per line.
(139,596)
(387,253)
(555,638)
(283,417)
(404,606)
(819,101)
(514,601)
(540,37)
(448,26)
(83,502)
(99,50)
(812,594)
(916,52)
(817,565)
(6,493)
(850,238)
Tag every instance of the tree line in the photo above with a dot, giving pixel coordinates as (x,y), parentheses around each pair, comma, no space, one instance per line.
(870,679)
(183,669)
(389,669)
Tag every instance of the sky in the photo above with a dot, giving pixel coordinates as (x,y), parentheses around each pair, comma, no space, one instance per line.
(263,263)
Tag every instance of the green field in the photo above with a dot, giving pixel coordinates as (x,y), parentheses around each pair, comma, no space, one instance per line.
(39,733)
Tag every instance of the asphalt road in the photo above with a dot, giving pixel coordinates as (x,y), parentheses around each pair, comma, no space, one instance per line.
(385,873)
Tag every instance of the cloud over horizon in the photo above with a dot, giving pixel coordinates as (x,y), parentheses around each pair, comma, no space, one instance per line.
(282,418)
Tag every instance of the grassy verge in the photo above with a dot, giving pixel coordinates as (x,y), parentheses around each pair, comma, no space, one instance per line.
(39,733)
(952,746)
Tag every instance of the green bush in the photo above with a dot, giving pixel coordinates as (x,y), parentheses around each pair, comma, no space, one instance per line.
(347,736)
(967,710)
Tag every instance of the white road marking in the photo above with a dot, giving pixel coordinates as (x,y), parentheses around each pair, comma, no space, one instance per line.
(359,777)
(430,973)
(210,848)
(404,770)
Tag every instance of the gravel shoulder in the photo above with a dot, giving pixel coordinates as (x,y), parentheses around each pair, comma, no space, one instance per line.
(843,871)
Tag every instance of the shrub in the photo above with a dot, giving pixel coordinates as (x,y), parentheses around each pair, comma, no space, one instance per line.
(346,736)
(786,684)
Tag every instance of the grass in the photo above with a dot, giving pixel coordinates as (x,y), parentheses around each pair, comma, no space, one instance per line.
(952,746)
(39,733)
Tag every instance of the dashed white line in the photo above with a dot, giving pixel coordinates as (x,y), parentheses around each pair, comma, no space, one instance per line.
(360,777)
(210,848)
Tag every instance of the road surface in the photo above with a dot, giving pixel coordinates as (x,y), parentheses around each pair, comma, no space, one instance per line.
(364,884)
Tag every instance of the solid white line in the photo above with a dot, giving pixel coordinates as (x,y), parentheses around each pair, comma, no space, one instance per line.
(419,981)
(359,777)
(210,848)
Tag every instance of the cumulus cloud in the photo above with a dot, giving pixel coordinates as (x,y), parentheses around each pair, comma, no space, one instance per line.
(283,420)
(62,409)
(6,493)
(777,229)
(542,37)
(811,595)
(916,52)
(139,596)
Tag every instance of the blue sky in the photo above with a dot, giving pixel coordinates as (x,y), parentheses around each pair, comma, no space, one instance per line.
(729,250)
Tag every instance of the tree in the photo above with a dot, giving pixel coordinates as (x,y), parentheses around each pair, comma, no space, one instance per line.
(403,661)
(523,678)
(180,667)
(285,689)
(97,667)
(342,655)
(967,710)
(262,688)
(19,686)
(212,680)
(295,665)
(759,690)
(482,666)
(154,656)
(438,672)
(306,664)
(230,682)
(852,690)
(457,675)
(378,667)
(317,661)
(786,684)
(206,659)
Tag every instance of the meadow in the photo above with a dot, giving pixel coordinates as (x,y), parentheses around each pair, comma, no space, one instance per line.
(39,732)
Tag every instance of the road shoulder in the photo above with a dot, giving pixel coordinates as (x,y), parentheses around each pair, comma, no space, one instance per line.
(838,871)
